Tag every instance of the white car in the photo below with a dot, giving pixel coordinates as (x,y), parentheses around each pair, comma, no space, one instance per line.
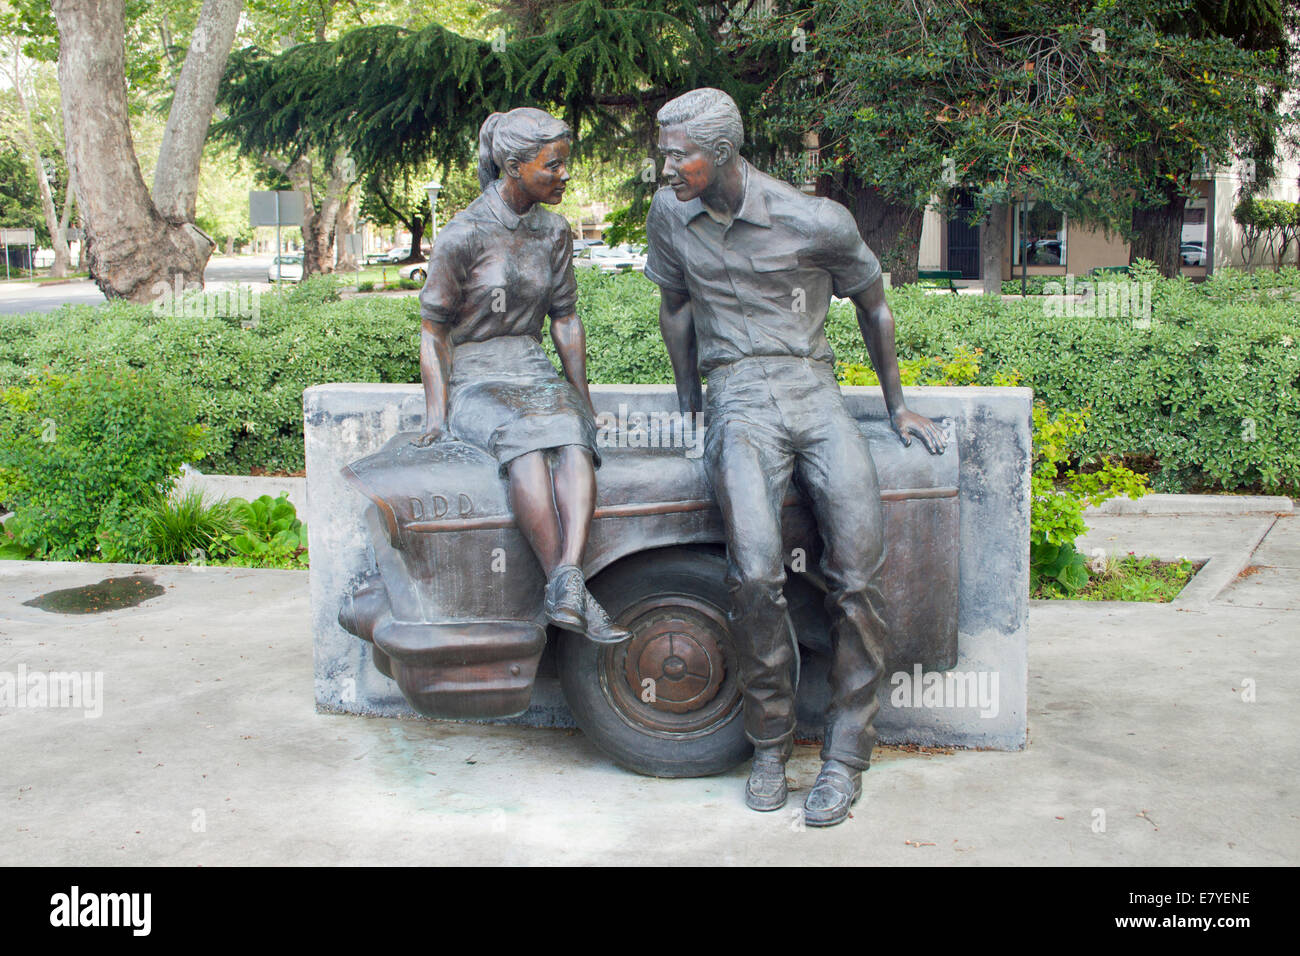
(287,268)
(622,258)
(398,253)
(415,271)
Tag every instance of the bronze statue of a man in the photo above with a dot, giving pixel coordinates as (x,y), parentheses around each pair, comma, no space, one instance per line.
(747,265)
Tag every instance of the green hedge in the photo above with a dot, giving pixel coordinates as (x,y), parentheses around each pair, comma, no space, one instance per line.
(1208,388)
(246,382)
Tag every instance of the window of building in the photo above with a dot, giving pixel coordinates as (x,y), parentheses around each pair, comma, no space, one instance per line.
(1044,233)
(1195,236)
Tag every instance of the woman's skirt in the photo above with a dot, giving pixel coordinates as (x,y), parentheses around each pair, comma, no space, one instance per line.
(506,397)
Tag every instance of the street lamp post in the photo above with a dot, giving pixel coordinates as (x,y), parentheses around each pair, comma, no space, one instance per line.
(433,187)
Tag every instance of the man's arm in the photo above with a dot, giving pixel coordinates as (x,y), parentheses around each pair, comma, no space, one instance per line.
(678,328)
(877,325)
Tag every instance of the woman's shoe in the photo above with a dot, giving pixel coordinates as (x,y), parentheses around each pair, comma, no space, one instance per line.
(566,598)
(600,628)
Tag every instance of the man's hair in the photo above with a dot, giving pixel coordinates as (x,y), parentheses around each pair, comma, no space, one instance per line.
(709,116)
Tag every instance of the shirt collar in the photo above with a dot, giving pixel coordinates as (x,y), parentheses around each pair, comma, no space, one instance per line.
(753,205)
(502,211)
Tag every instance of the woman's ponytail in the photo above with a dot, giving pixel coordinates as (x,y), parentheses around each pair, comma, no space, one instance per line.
(487,167)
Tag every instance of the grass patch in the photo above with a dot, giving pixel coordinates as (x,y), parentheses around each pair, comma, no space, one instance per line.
(1130,578)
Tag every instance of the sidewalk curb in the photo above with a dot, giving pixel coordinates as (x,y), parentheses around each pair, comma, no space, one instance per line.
(1216,574)
(1210,505)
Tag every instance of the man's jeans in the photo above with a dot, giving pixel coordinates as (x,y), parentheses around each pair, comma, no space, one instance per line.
(768,418)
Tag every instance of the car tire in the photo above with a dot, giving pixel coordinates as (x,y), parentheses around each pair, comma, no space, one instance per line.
(666,702)
(418,275)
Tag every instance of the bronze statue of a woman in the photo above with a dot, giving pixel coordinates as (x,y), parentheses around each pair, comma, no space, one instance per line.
(496,271)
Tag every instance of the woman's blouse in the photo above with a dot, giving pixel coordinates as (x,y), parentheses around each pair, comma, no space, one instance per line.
(493,272)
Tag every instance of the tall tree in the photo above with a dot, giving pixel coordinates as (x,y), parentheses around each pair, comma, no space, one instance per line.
(32,133)
(1099,109)
(133,243)
(1258,26)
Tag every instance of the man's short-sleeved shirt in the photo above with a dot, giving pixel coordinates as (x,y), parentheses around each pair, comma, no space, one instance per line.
(493,272)
(761,285)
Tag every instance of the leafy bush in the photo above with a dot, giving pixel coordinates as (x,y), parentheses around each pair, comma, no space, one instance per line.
(315,290)
(1273,224)
(1034,285)
(1204,390)
(245,383)
(367,286)
(270,534)
(80,452)
(1057,500)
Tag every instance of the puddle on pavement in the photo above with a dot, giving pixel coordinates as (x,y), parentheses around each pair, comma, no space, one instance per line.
(110,594)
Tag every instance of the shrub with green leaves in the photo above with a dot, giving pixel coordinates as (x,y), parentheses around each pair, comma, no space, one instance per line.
(1059,493)
(80,452)
(270,534)
(244,380)
(1205,389)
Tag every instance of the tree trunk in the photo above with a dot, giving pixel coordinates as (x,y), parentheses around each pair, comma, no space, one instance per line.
(176,178)
(27,134)
(993,246)
(416,225)
(66,218)
(347,225)
(131,249)
(318,225)
(892,231)
(1158,234)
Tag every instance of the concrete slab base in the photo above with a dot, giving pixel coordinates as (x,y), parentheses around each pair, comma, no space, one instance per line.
(1144,749)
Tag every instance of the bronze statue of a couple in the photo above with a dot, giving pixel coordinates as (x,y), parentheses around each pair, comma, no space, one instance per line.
(746,265)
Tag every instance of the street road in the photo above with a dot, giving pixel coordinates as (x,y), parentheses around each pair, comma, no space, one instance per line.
(222,272)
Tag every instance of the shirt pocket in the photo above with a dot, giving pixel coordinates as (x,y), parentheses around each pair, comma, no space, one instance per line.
(775,262)
(779,280)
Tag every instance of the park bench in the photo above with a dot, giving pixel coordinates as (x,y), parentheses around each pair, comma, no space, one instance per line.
(942,278)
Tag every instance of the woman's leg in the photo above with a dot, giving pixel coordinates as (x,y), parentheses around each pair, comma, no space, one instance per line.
(533,505)
(575,499)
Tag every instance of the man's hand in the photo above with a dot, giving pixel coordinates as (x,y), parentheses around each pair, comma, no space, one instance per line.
(908,423)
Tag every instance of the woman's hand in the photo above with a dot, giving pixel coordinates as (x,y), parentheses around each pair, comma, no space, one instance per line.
(434,432)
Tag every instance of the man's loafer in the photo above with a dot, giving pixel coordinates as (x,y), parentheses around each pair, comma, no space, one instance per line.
(767,789)
(838,787)
(566,598)
(600,628)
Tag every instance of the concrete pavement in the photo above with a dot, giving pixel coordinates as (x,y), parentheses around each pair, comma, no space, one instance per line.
(1159,734)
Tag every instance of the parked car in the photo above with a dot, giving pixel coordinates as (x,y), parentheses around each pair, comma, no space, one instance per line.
(1045,252)
(580,244)
(1193,253)
(624,258)
(287,268)
(666,702)
(398,253)
(415,271)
